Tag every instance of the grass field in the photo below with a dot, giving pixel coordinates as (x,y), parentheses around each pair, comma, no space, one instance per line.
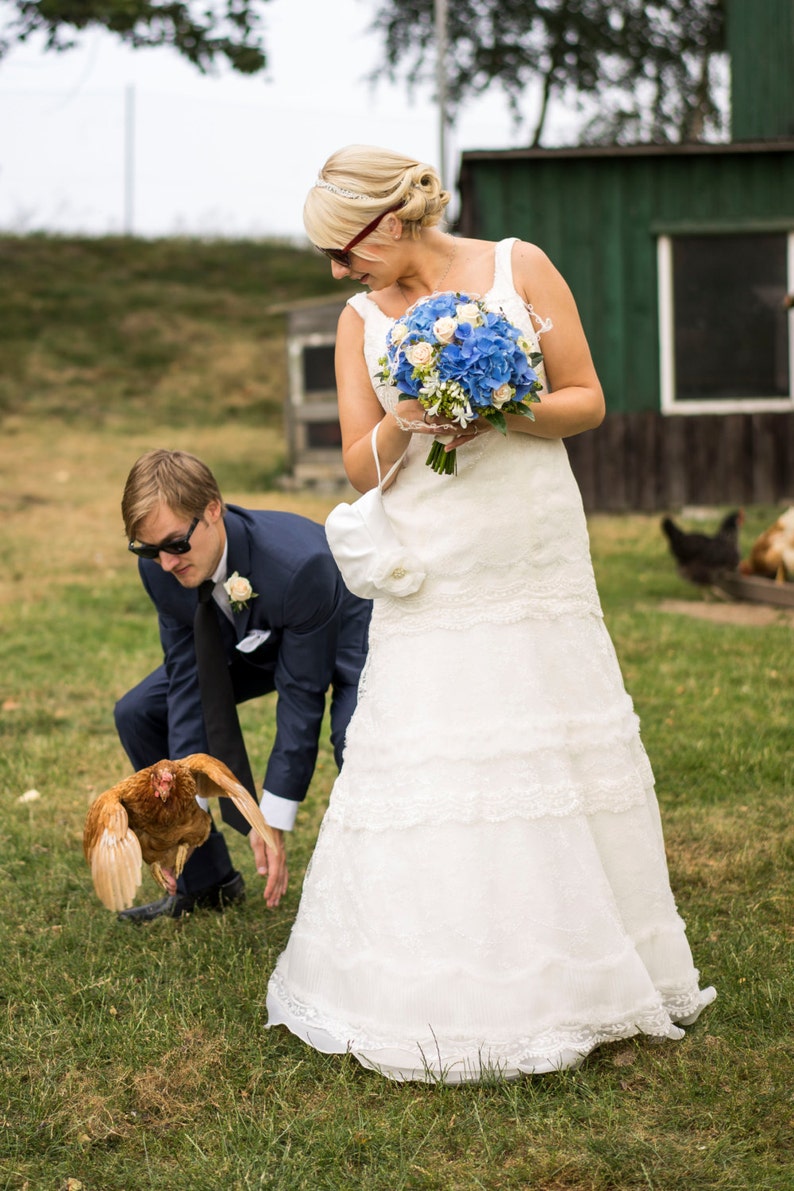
(136,1059)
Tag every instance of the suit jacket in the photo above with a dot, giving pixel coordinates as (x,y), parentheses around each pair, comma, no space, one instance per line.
(318,637)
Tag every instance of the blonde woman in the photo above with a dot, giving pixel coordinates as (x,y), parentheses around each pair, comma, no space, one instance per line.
(489,893)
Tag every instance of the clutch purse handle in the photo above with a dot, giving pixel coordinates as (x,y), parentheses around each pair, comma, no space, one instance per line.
(393,467)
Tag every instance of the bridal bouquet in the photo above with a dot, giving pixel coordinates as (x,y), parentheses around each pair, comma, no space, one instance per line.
(460,361)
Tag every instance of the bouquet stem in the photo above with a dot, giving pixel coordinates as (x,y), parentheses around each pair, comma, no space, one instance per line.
(444,463)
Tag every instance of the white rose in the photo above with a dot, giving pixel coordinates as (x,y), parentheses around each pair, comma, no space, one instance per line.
(419,354)
(238,589)
(503,394)
(399,331)
(444,329)
(469,312)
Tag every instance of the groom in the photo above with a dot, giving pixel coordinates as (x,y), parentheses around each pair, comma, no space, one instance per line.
(288,625)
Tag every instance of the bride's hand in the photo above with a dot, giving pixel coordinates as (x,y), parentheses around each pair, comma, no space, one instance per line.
(410,415)
(474,429)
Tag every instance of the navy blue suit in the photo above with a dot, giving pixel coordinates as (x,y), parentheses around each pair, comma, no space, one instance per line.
(317,640)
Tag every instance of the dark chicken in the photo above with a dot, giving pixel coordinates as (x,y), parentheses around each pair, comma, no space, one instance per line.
(700,556)
(153,816)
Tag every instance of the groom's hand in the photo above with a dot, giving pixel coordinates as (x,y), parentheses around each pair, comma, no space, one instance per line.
(271,863)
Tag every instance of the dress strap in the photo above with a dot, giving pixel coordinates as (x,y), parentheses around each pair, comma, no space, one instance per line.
(360,302)
(503,265)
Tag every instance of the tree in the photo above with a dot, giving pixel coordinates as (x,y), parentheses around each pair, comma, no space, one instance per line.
(201,30)
(648,70)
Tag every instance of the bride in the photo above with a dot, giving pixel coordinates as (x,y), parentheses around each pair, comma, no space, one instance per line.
(489,892)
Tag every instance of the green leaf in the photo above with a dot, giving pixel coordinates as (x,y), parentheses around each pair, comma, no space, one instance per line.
(524,411)
(497,420)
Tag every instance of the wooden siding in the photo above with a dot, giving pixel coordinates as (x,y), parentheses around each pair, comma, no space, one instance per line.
(760,40)
(598,215)
(647,463)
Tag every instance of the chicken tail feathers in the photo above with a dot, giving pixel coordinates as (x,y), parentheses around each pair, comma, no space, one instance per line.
(671,531)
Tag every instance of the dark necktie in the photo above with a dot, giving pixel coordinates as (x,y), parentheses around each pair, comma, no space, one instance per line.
(224,736)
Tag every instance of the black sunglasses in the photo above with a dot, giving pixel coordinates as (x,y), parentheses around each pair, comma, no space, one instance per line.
(174,546)
(342,255)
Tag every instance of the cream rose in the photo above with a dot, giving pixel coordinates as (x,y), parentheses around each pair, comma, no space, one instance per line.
(444,329)
(469,312)
(503,394)
(419,354)
(398,333)
(239,590)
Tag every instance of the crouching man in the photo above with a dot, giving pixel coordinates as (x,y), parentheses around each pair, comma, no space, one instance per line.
(287,625)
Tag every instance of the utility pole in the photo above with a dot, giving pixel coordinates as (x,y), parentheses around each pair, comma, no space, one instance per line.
(441,87)
(129,158)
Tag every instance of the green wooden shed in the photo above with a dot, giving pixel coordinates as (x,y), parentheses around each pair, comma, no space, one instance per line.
(681,259)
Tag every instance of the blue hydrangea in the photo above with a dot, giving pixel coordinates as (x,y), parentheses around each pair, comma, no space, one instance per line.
(457,376)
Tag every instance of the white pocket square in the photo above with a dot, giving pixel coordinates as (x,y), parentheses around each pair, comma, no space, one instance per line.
(253,640)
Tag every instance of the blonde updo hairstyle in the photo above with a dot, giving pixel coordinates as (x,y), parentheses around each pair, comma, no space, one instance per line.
(373,181)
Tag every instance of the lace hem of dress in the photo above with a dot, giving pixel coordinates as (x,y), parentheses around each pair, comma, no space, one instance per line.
(559,768)
(428,609)
(433,1060)
(373,810)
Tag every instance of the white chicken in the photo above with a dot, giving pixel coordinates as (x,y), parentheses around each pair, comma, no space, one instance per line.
(772,553)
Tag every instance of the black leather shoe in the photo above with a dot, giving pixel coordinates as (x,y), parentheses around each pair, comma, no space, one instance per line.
(217,897)
(176,905)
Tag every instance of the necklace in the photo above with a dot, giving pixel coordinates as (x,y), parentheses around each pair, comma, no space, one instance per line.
(441,279)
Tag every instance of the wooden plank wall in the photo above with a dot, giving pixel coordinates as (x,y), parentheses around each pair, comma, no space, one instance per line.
(644,462)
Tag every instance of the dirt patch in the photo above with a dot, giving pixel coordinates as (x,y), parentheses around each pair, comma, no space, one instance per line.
(730,613)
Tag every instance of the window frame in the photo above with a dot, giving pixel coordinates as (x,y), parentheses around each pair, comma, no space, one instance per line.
(670,403)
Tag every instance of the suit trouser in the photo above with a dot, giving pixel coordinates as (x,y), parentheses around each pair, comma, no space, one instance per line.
(142,724)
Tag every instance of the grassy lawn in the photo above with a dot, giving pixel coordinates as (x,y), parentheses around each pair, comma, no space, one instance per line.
(135,1059)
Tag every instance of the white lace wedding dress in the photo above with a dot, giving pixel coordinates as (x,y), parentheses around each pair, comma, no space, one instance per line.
(489,891)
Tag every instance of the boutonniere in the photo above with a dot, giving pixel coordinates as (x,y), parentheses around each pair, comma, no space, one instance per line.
(239,591)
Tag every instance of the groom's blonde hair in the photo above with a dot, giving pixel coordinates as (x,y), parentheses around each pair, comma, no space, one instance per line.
(360,181)
(172,478)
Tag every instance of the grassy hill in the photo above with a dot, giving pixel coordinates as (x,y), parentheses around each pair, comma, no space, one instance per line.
(113,330)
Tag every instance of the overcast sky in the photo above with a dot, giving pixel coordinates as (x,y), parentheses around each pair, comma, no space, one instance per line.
(225,155)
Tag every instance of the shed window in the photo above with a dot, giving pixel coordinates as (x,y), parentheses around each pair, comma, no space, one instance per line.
(726,333)
(318,368)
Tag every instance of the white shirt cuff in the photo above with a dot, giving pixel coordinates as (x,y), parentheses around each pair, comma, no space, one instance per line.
(279,812)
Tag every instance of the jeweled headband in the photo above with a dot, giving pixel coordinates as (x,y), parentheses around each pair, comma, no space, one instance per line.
(351,194)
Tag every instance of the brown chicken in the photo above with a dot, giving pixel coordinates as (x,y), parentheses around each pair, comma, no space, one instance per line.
(772,554)
(153,816)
